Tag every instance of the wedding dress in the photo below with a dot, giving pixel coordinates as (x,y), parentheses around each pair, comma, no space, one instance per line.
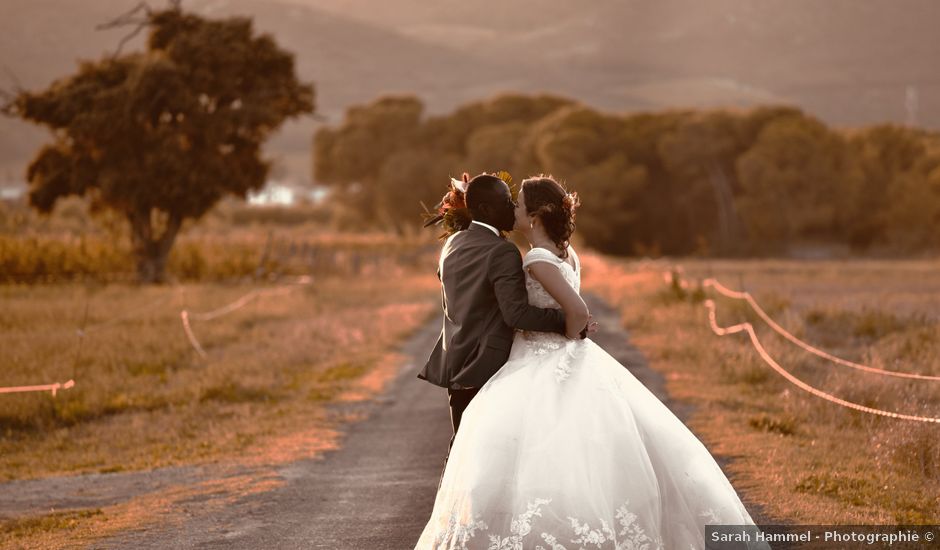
(563,449)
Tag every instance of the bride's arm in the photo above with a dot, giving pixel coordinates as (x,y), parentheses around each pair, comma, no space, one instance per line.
(505,272)
(576,311)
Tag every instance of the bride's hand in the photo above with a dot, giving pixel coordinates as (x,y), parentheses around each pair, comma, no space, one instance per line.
(592,327)
(589,328)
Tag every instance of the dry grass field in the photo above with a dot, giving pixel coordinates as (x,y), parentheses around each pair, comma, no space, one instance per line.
(278,351)
(232,243)
(808,460)
(144,397)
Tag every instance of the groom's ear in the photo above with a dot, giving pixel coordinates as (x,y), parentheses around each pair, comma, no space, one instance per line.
(485,210)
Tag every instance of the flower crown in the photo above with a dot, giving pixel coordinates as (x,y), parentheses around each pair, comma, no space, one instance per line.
(452,212)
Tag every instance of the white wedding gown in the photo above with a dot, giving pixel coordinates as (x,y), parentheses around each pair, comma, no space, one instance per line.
(563,449)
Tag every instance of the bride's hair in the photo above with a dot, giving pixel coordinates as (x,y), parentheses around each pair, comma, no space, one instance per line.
(554,206)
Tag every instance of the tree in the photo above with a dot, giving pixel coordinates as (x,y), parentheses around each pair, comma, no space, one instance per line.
(350,157)
(887,154)
(700,155)
(912,211)
(659,227)
(495,147)
(585,151)
(610,193)
(412,177)
(385,158)
(798,182)
(162,135)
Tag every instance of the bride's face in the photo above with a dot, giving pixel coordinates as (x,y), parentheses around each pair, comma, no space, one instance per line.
(522,218)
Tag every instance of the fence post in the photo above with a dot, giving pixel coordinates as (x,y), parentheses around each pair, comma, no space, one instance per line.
(265,252)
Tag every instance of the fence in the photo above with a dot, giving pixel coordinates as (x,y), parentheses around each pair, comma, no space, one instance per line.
(672,277)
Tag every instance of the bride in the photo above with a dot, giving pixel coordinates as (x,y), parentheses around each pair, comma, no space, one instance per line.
(563,448)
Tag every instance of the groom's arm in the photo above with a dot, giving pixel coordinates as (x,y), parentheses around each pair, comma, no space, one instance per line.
(505,273)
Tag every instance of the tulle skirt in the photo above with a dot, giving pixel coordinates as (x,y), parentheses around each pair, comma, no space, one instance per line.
(564,448)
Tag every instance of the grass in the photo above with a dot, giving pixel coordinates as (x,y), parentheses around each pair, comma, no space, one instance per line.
(806,460)
(231,243)
(143,397)
(56,521)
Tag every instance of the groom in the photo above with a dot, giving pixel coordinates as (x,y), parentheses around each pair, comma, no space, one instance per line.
(484,299)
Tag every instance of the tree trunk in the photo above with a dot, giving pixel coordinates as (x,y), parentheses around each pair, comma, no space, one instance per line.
(729,223)
(150,251)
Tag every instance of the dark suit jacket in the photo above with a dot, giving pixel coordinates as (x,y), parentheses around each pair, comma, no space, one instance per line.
(484,298)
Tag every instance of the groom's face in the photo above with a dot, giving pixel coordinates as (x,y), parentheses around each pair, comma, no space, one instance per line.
(504,209)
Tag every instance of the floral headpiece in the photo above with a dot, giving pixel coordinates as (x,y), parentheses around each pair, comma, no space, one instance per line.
(452,212)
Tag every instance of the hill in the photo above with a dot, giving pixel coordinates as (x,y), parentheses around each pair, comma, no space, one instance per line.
(849,62)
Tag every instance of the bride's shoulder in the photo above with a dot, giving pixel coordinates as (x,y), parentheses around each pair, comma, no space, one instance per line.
(537,254)
(574,256)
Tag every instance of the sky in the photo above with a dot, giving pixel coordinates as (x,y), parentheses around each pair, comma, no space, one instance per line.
(849,62)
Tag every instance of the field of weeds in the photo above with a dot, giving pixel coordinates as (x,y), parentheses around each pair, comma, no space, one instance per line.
(805,458)
(143,394)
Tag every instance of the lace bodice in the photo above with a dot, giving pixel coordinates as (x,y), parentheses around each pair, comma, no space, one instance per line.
(540,343)
(538,296)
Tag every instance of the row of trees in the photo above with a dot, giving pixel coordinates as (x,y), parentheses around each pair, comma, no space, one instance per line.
(673,182)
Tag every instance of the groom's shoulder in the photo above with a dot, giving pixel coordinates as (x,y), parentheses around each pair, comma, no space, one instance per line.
(469,236)
(478,244)
(457,239)
(506,251)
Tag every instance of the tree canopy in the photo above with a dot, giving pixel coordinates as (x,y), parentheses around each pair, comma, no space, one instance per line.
(725,182)
(162,135)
